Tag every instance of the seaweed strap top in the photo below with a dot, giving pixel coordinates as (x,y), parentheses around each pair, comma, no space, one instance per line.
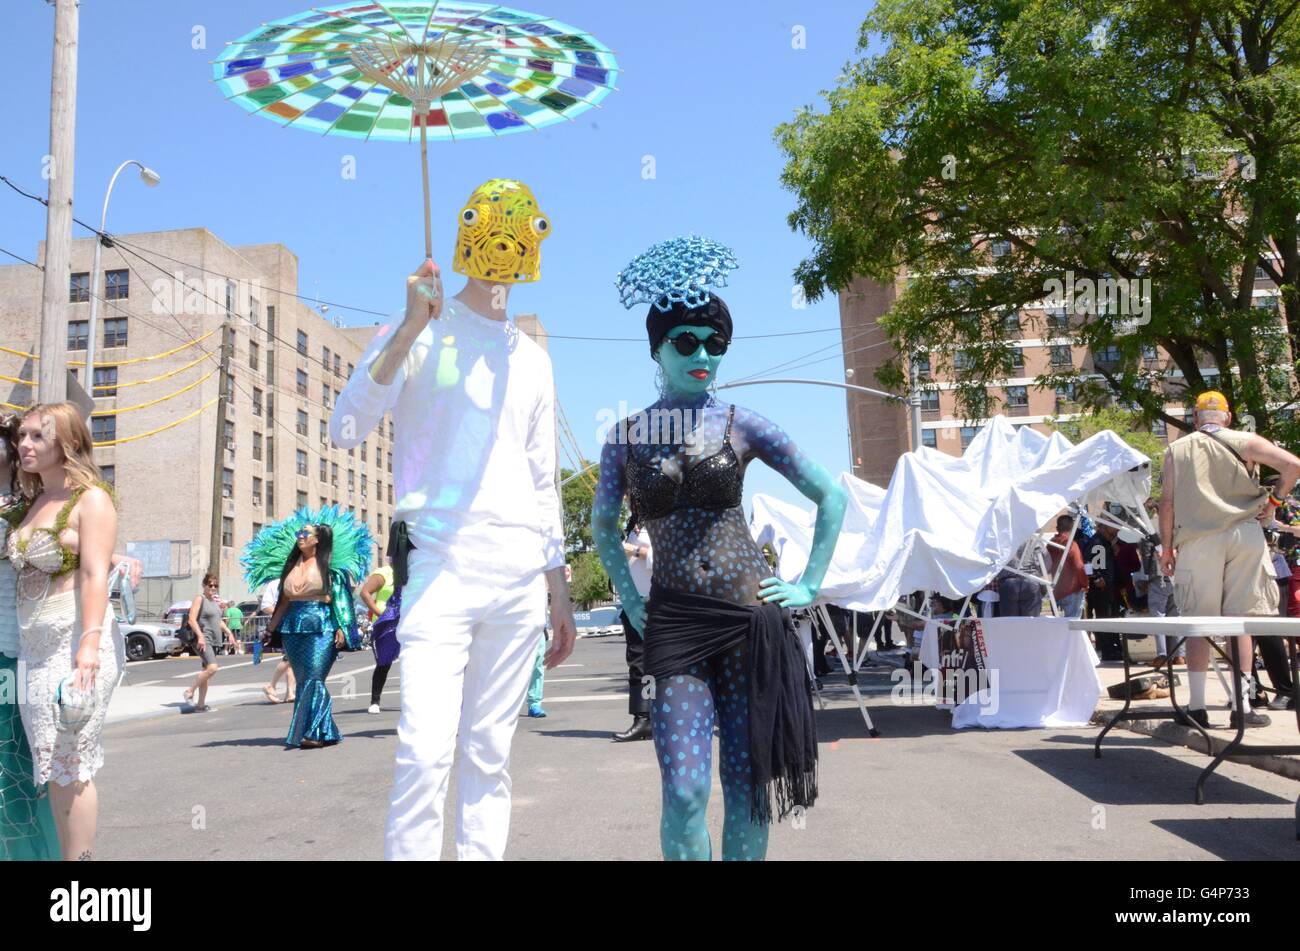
(714,482)
(42,550)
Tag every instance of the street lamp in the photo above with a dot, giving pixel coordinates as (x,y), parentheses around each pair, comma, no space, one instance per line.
(150,178)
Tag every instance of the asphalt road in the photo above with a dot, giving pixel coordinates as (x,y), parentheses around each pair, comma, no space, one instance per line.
(222,786)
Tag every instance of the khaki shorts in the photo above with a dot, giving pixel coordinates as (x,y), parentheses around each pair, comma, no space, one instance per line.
(1227,574)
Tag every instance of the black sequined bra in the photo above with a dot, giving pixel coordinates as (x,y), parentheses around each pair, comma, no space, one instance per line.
(715,482)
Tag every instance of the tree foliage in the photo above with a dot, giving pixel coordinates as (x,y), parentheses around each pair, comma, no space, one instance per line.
(1121,139)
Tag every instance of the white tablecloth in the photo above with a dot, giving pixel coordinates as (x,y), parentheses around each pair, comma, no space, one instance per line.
(1046,675)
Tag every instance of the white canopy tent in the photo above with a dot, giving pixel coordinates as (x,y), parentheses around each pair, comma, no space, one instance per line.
(950,524)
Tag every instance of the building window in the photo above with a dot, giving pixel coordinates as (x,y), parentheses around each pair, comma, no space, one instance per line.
(270,498)
(1017,358)
(115,331)
(337,366)
(302,342)
(78,334)
(352,480)
(301,377)
(254,354)
(270,323)
(103,428)
(1011,323)
(920,363)
(379,456)
(390,419)
(302,423)
(968,434)
(1018,396)
(301,458)
(390,462)
(79,288)
(390,493)
(1062,356)
(1057,322)
(324,468)
(252,312)
(929,401)
(1000,249)
(334,473)
(227,532)
(302,500)
(109,474)
(270,455)
(325,357)
(257,447)
(257,491)
(257,402)
(929,438)
(961,360)
(117,285)
(1158,428)
(365,516)
(105,381)
(230,434)
(230,297)
(257,527)
(227,483)
(1149,353)
(363,486)
(349,371)
(325,395)
(324,433)
(1107,356)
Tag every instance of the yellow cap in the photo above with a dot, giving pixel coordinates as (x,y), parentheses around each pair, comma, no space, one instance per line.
(1212,400)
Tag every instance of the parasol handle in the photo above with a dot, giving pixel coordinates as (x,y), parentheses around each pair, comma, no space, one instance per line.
(422,108)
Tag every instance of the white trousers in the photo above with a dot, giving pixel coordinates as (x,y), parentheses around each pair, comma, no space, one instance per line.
(468,646)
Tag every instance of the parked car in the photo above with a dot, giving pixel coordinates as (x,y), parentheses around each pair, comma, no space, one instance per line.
(146,640)
(598,622)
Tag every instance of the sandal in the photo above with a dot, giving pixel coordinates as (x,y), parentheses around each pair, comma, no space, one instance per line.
(189,695)
(271,696)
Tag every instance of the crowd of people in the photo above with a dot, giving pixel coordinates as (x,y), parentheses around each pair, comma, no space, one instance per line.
(476,564)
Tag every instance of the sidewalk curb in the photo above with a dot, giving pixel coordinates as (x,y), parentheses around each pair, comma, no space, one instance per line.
(1170,732)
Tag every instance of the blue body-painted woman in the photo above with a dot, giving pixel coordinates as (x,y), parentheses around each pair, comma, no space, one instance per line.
(681,464)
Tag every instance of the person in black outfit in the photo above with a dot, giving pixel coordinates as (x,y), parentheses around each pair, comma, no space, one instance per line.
(1103,591)
(635,546)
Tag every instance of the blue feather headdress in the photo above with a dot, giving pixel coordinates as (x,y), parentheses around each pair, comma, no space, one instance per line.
(677,271)
(264,557)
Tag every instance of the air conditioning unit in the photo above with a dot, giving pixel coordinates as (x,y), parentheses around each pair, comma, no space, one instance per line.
(230,445)
(257,501)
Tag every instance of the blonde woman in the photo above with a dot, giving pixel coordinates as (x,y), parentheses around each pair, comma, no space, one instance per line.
(69,641)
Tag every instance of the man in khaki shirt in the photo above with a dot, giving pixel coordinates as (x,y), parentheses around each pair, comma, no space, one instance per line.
(1211,510)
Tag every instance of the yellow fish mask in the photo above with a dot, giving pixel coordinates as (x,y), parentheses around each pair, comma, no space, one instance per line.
(501,234)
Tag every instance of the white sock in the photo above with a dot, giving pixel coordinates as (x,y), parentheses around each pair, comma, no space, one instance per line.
(1246,687)
(1196,687)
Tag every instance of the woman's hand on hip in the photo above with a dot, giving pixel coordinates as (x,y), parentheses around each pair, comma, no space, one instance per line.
(339,641)
(786,594)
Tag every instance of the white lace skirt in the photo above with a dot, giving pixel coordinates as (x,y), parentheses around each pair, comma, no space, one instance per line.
(49,630)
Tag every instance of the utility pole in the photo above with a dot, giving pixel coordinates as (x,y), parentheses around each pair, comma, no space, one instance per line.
(219,457)
(53,366)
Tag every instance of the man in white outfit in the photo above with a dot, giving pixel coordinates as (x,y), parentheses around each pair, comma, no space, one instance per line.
(474,454)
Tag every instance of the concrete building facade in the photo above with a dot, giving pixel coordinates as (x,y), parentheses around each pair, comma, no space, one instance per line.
(164,297)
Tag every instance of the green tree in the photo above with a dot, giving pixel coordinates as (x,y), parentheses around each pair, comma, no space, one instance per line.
(990,146)
(576,497)
(1127,424)
(590,582)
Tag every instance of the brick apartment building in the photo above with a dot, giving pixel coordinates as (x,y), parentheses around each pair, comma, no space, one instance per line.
(164,297)
(879,433)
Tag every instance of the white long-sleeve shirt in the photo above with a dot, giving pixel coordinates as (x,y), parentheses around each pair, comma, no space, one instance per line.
(474,443)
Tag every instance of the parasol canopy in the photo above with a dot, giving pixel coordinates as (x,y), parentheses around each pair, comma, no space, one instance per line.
(444,70)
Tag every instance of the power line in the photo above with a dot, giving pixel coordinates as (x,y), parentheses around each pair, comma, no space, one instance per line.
(116,240)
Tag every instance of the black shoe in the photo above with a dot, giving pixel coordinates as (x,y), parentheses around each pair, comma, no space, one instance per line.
(639,730)
(1185,718)
(1259,699)
(1252,718)
(1282,701)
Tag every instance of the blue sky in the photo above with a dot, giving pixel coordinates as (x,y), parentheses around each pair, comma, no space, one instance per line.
(703,87)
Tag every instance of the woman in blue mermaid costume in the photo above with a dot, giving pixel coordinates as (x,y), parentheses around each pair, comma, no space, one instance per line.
(27,830)
(718,640)
(316,557)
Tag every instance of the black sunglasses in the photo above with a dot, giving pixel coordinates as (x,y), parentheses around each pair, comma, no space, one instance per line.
(715,345)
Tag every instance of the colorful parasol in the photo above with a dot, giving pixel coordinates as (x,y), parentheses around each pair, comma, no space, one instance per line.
(449,70)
